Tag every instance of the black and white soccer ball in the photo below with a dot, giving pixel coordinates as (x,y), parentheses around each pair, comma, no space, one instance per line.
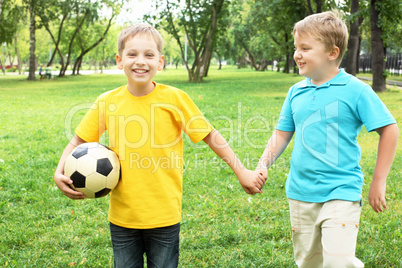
(93,168)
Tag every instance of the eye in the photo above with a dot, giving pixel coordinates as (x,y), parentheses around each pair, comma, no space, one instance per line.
(131,54)
(150,55)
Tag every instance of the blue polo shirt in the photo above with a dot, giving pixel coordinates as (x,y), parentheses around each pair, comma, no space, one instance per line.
(327,120)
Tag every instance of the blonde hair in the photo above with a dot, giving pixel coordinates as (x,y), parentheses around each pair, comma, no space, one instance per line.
(327,28)
(140,28)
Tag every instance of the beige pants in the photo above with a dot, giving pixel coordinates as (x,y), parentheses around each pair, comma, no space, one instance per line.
(325,234)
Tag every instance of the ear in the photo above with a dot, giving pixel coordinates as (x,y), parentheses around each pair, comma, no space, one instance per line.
(119,62)
(334,53)
(161,63)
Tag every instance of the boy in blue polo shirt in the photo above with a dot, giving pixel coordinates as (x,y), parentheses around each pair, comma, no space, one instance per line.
(326,112)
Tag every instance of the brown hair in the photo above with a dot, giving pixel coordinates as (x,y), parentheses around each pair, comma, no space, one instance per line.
(140,28)
(327,28)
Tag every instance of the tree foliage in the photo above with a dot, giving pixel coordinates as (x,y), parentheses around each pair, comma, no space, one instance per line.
(9,14)
(257,33)
(195,22)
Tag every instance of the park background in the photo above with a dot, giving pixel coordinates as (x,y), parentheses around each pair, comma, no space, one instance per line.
(234,58)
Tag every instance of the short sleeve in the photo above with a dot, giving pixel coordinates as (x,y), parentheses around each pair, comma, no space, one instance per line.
(286,122)
(372,111)
(194,124)
(93,125)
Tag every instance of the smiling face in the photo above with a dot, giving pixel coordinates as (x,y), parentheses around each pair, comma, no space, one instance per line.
(314,60)
(140,60)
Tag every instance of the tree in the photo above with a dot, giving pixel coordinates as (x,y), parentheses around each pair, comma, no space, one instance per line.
(69,22)
(1,7)
(171,50)
(223,47)
(264,29)
(317,6)
(250,33)
(32,39)
(55,11)
(9,17)
(381,29)
(82,11)
(105,53)
(354,39)
(377,46)
(86,49)
(17,54)
(198,20)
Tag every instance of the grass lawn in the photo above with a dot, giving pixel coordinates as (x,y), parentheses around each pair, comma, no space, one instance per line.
(397,78)
(222,226)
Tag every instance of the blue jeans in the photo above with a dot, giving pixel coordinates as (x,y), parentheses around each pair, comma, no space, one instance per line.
(161,246)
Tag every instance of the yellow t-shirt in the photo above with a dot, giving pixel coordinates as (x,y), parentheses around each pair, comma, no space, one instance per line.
(146,134)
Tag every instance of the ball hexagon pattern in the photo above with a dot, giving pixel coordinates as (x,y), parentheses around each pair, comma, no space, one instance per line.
(93,168)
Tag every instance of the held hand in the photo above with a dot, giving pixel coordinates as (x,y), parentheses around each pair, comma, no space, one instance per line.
(63,183)
(251,181)
(377,196)
(263,172)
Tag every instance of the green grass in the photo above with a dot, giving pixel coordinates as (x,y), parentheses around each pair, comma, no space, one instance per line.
(390,77)
(222,226)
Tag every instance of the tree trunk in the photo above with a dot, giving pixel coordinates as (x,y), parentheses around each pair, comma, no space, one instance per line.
(319,6)
(353,43)
(103,58)
(378,50)
(206,55)
(56,42)
(85,51)
(17,53)
(76,65)
(219,60)
(286,69)
(79,66)
(253,61)
(358,55)
(63,70)
(10,59)
(288,57)
(310,9)
(32,40)
(3,68)
(208,64)
(175,33)
(1,7)
(263,65)
(202,49)
(61,60)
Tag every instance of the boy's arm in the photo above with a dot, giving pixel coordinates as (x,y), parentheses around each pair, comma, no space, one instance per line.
(385,156)
(275,147)
(251,181)
(62,181)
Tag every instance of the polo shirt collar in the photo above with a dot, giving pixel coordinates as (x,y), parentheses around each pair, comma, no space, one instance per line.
(341,79)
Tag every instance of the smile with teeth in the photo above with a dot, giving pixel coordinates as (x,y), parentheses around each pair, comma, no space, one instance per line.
(301,64)
(140,71)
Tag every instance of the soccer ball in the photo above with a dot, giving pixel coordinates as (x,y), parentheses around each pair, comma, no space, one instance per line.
(93,168)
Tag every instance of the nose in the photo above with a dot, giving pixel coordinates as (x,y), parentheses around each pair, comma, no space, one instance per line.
(140,60)
(297,54)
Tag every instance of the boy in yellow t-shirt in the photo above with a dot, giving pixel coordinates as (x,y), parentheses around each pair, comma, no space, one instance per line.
(145,121)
